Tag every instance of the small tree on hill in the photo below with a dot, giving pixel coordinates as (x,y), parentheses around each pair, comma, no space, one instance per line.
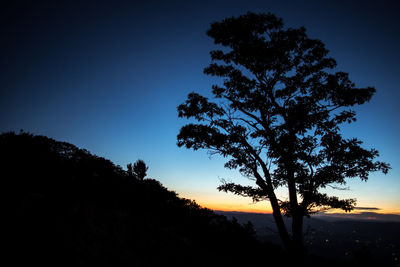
(139,169)
(130,170)
(277,118)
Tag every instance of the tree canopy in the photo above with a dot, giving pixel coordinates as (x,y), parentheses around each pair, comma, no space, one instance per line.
(276,117)
(138,170)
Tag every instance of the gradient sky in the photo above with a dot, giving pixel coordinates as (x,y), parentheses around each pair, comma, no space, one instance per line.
(108,77)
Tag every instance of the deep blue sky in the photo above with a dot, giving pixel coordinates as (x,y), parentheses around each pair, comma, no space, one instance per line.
(108,77)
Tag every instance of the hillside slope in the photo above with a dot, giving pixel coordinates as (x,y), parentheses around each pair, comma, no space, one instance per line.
(67,207)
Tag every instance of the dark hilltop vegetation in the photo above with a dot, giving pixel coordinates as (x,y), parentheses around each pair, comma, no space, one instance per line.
(67,207)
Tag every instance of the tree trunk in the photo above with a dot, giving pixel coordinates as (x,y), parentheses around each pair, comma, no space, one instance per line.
(297,232)
(276,209)
(297,214)
(282,230)
(297,217)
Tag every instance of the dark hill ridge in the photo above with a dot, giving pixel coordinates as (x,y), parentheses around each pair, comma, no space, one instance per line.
(67,207)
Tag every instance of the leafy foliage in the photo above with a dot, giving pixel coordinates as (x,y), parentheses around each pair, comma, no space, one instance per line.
(277,115)
(138,170)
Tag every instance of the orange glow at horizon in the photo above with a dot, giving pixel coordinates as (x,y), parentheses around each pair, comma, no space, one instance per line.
(268,210)
(239,208)
(223,202)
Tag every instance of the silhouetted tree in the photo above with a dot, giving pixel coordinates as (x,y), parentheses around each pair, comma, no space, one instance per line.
(130,170)
(277,118)
(140,169)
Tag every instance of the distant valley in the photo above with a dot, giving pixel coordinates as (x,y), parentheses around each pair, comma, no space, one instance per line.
(335,236)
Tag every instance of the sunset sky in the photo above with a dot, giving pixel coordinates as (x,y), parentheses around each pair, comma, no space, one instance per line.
(108,77)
